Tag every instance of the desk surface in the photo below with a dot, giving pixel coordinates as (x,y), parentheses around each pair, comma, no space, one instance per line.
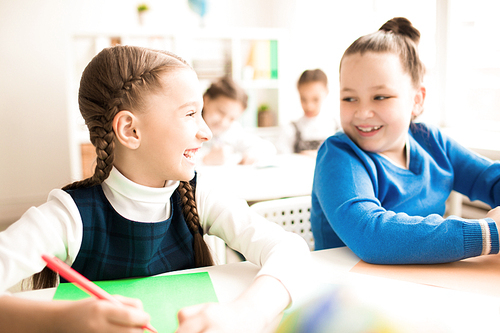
(437,309)
(287,176)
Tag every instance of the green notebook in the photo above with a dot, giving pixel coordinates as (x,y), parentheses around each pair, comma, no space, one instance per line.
(162,296)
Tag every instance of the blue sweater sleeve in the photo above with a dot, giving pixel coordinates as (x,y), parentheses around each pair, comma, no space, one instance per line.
(476,176)
(346,210)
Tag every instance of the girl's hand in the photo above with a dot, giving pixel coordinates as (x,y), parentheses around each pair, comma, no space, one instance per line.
(247,160)
(495,215)
(88,315)
(215,317)
(93,315)
(259,309)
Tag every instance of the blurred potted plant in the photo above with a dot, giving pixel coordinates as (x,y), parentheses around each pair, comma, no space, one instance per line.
(142,9)
(265,117)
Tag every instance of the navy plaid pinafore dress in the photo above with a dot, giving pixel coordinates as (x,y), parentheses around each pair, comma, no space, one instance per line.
(114,247)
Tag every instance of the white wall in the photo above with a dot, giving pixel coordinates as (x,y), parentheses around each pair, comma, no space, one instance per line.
(33,136)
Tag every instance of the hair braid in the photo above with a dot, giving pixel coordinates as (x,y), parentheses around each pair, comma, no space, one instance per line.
(202,254)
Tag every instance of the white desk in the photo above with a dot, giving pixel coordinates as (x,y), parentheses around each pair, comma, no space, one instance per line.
(287,176)
(422,307)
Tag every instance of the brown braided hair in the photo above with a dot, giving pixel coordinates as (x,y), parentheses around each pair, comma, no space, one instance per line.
(120,78)
(193,222)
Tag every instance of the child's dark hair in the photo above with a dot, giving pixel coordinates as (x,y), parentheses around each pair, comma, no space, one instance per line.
(226,86)
(120,78)
(313,75)
(396,36)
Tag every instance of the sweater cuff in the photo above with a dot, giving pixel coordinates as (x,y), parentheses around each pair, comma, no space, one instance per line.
(493,236)
(473,239)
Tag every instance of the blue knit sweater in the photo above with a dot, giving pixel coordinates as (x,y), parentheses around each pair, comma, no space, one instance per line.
(389,215)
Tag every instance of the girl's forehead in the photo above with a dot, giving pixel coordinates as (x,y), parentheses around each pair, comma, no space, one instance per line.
(171,77)
(312,85)
(371,58)
(181,79)
(372,64)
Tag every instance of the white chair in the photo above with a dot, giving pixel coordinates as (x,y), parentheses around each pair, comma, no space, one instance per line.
(291,213)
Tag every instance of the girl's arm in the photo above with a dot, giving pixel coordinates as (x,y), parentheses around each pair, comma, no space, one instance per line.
(54,228)
(284,258)
(475,176)
(281,254)
(89,315)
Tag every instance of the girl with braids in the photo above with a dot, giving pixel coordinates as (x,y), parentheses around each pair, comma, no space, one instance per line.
(380,186)
(141,212)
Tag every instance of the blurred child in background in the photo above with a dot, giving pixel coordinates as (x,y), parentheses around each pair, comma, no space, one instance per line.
(224,102)
(305,135)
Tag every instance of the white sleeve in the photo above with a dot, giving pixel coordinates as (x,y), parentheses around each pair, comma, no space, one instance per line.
(244,141)
(281,254)
(255,146)
(54,228)
(286,139)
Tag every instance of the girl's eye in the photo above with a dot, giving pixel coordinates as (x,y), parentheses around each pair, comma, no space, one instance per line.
(191,114)
(348,99)
(381,98)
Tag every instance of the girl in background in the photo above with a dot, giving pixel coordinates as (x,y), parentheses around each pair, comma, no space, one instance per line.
(306,134)
(380,186)
(224,103)
(141,212)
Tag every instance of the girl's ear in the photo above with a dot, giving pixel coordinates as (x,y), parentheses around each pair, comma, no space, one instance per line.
(126,129)
(418,106)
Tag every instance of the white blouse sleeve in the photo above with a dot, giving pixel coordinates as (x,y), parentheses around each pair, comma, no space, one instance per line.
(54,228)
(281,254)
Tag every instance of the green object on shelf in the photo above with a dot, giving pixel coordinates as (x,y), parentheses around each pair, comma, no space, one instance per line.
(263,107)
(274,59)
(142,8)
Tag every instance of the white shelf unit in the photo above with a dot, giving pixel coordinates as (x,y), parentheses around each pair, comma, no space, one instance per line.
(212,53)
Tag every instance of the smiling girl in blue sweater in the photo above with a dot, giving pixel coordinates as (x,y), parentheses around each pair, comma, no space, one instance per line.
(380,186)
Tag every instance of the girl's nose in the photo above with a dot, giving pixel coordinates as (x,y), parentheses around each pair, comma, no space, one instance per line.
(364,111)
(204,133)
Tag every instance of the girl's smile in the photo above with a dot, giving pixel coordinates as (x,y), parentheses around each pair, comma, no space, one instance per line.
(368,130)
(189,154)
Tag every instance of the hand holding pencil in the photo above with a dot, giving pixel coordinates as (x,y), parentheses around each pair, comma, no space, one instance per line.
(86,285)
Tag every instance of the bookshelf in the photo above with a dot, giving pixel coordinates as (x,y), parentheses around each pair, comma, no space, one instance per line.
(250,55)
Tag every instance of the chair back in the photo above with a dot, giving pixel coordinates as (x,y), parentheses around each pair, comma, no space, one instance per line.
(293,214)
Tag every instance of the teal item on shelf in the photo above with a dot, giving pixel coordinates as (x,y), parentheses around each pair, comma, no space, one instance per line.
(274,59)
(200,7)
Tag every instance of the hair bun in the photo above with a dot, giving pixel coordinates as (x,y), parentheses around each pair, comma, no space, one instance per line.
(402,26)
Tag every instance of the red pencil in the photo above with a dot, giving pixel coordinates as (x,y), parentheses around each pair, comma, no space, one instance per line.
(81,281)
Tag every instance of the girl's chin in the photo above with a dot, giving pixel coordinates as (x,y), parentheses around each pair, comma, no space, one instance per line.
(371,147)
(188,176)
